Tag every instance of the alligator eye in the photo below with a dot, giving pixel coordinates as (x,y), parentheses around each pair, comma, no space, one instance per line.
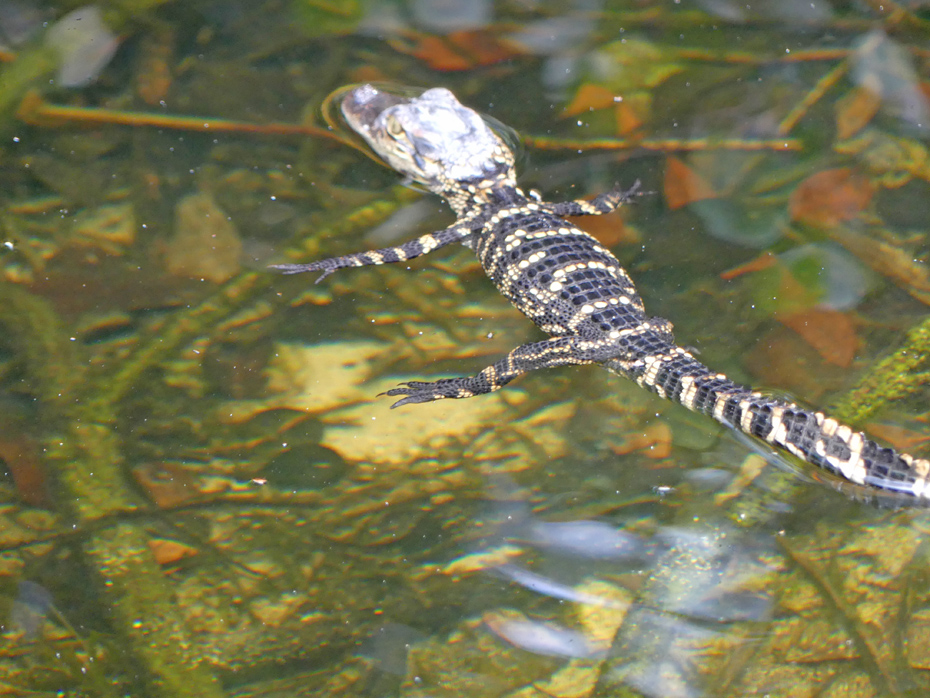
(394,127)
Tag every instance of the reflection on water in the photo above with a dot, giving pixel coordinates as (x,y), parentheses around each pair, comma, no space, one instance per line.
(513,522)
(546,586)
(85,46)
(388,647)
(238,514)
(702,582)
(586,539)
(546,639)
(30,608)
(682,595)
(883,66)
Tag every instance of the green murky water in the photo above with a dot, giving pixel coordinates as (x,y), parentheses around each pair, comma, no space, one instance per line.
(202,494)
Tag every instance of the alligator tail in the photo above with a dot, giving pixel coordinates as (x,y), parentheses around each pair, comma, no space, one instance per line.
(811,436)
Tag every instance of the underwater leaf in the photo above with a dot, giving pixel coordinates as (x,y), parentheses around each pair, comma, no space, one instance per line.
(483,47)
(830,332)
(841,279)
(783,358)
(435,52)
(20,455)
(655,441)
(460,50)
(829,197)
(855,110)
(741,222)
(155,56)
(817,275)
(807,289)
(898,436)
(683,185)
(323,17)
(633,64)
(763,261)
(167,485)
(589,96)
(167,551)
(368,73)
(632,112)
(881,64)
(610,229)
(776,290)
(206,244)
(85,46)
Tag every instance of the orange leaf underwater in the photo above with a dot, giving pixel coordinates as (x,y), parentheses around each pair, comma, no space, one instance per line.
(855,110)
(829,197)
(830,332)
(589,97)
(459,50)
(684,186)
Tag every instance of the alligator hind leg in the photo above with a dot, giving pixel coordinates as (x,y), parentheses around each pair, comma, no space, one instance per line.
(386,255)
(558,351)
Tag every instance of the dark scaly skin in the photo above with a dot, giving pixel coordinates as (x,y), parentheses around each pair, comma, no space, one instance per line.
(574,289)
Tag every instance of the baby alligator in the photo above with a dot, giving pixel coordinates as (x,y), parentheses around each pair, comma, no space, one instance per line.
(573,288)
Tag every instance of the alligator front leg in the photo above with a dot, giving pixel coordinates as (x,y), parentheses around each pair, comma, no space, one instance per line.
(386,255)
(605,203)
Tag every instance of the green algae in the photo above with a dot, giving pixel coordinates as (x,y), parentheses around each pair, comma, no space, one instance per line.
(85,451)
(87,463)
(892,378)
(31,67)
